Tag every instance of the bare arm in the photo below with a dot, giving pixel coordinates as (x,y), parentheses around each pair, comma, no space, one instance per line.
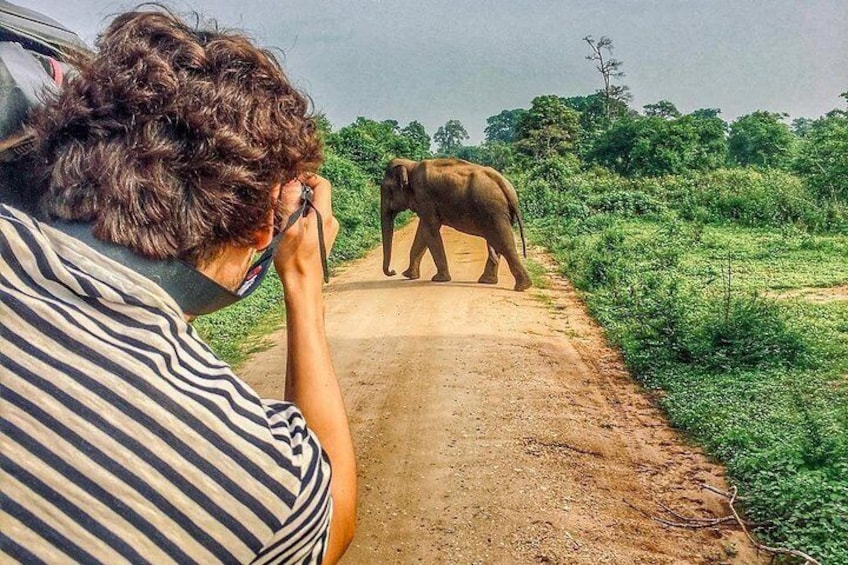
(310,378)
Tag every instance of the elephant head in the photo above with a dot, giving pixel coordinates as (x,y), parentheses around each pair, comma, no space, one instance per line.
(394,197)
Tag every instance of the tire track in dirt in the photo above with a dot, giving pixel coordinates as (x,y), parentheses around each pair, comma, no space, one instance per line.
(495,427)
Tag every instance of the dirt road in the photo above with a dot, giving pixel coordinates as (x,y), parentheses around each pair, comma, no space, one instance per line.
(493,426)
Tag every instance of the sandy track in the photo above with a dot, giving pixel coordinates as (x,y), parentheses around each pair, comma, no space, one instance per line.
(498,427)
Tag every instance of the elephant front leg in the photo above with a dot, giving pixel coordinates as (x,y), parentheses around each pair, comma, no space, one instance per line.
(419,245)
(490,273)
(434,241)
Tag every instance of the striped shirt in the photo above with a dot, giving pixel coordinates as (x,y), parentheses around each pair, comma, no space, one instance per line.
(123,439)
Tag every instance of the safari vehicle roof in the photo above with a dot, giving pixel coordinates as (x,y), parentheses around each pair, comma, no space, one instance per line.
(36,31)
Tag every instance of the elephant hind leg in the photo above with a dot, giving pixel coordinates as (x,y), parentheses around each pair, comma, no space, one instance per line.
(506,245)
(490,273)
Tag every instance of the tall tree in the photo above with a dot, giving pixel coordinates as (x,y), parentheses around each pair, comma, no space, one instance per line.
(760,139)
(419,140)
(610,69)
(548,128)
(450,136)
(662,109)
(823,154)
(502,127)
(801,126)
(706,113)
(593,111)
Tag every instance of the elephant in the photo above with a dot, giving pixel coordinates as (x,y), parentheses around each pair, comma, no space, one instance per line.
(471,198)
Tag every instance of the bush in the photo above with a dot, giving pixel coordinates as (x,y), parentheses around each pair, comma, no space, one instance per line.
(823,157)
(746,196)
(556,171)
(539,199)
(744,332)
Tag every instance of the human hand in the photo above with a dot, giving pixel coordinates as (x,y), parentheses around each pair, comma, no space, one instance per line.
(298,257)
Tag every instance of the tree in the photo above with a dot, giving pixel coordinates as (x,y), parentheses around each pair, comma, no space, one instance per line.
(760,139)
(610,70)
(496,154)
(548,128)
(593,111)
(371,144)
(450,136)
(662,109)
(654,146)
(419,141)
(823,154)
(801,126)
(593,117)
(706,113)
(502,127)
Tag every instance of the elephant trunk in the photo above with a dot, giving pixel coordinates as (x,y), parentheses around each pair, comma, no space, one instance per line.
(388,225)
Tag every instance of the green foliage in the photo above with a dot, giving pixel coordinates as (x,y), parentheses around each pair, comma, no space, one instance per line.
(706,113)
(371,145)
(557,171)
(592,110)
(655,146)
(823,156)
(549,128)
(418,142)
(757,380)
(356,204)
(662,109)
(801,126)
(760,139)
(748,197)
(323,126)
(501,128)
(450,136)
(745,332)
(498,155)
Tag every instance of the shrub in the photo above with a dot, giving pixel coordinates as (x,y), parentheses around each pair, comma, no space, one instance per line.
(744,332)
(823,157)
(745,196)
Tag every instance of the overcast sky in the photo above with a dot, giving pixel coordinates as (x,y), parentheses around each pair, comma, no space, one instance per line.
(437,60)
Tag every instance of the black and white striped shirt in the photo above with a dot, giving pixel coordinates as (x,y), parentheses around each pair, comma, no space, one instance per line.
(124,439)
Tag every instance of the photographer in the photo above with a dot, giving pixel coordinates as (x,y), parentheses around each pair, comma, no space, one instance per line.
(124,439)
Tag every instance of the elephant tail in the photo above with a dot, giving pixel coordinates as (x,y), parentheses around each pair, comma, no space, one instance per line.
(514,210)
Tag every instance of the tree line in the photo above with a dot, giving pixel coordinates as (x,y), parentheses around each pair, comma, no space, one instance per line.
(602,130)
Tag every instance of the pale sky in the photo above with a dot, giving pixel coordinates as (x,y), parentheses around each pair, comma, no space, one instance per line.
(435,60)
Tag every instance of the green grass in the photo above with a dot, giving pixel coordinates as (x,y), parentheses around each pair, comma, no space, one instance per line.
(538,274)
(761,383)
(237,331)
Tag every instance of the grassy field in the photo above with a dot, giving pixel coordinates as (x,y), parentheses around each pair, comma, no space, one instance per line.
(743,332)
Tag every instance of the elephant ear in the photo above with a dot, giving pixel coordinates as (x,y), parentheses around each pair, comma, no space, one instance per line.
(401,177)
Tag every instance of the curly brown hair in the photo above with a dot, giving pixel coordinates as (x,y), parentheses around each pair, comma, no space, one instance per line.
(170,138)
